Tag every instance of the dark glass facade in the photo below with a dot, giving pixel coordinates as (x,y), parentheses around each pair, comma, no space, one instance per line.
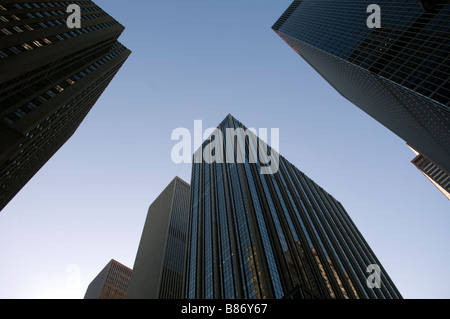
(279,235)
(110,283)
(398,74)
(160,260)
(51,76)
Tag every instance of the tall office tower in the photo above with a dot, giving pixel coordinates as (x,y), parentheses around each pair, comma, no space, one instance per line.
(110,283)
(263,235)
(50,77)
(159,266)
(435,174)
(399,74)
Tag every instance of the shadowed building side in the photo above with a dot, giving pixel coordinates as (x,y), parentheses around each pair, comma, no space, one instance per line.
(51,76)
(159,264)
(398,74)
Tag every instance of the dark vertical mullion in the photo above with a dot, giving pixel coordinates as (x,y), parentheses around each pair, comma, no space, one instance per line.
(267,220)
(286,279)
(362,255)
(331,231)
(322,231)
(207,239)
(303,241)
(199,255)
(309,226)
(215,234)
(227,234)
(239,289)
(345,252)
(366,247)
(237,193)
(348,246)
(264,282)
(291,214)
(236,183)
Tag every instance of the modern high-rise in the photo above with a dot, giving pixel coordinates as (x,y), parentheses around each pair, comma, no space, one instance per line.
(435,174)
(110,283)
(50,78)
(159,266)
(399,73)
(270,234)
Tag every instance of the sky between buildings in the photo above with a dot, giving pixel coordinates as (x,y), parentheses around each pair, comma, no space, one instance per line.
(200,60)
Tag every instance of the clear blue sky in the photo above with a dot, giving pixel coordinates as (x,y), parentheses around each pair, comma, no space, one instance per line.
(200,60)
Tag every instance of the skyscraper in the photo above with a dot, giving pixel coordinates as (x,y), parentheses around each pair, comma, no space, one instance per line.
(159,266)
(271,235)
(50,78)
(435,174)
(399,73)
(110,283)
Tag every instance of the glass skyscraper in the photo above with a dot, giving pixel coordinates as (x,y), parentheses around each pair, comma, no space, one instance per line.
(272,235)
(398,74)
(160,260)
(50,78)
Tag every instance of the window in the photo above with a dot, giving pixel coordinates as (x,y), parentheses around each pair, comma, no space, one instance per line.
(50,93)
(37,43)
(6,31)
(18,30)
(14,50)
(27,46)
(42,99)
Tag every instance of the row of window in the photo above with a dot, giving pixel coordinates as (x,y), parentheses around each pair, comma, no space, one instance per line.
(59,88)
(26,79)
(29,15)
(42,5)
(44,24)
(4,53)
(41,142)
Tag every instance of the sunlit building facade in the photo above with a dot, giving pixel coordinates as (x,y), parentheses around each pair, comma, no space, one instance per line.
(435,174)
(273,235)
